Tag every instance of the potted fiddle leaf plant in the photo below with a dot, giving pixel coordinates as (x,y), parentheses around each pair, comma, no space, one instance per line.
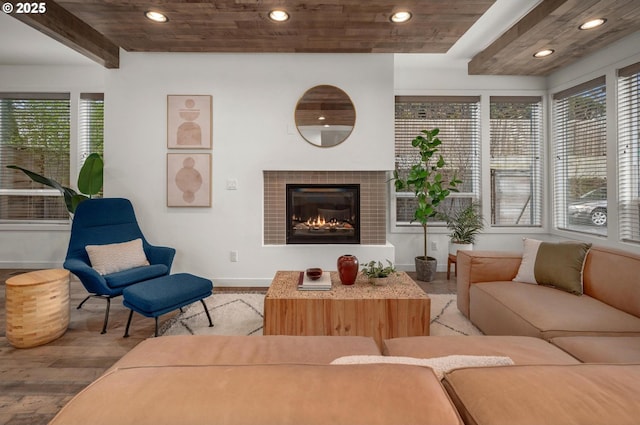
(464,225)
(430,187)
(90,180)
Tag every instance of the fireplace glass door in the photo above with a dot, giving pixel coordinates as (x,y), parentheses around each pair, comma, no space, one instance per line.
(323,214)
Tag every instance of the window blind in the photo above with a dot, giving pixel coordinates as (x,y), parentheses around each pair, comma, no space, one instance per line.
(516,161)
(458,119)
(34,134)
(91,125)
(629,152)
(580,169)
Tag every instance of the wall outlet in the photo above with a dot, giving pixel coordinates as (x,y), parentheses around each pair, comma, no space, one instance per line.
(434,246)
(232,184)
(233,256)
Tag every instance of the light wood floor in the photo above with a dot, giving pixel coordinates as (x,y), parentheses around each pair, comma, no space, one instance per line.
(36,382)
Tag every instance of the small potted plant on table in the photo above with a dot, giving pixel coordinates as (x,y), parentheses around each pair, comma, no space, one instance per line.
(377,273)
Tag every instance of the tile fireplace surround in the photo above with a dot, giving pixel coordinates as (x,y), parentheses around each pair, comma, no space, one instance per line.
(373,201)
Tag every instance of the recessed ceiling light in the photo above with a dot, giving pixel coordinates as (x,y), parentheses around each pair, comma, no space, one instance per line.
(278,15)
(156,16)
(322,118)
(594,23)
(543,53)
(400,16)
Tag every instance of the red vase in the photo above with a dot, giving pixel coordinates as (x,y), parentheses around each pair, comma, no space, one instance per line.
(348,269)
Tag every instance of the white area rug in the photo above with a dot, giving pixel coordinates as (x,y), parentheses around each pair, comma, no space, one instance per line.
(242,314)
(231,314)
(446,319)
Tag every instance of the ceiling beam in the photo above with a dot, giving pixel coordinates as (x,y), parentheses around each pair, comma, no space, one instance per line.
(69,30)
(482,61)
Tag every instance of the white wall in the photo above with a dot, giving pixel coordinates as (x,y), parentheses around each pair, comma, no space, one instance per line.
(254,98)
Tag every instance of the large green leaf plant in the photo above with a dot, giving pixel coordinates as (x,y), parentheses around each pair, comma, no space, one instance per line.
(425,178)
(90,181)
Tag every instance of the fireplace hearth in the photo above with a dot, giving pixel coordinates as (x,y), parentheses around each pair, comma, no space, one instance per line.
(323,213)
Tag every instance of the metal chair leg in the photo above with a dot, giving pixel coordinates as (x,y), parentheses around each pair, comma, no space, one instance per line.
(156,334)
(106,313)
(83,301)
(106,317)
(126,331)
(206,310)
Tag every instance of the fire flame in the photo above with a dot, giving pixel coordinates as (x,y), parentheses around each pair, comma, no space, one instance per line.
(318,221)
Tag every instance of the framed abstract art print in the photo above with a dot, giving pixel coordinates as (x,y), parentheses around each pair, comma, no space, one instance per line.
(188,180)
(189,121)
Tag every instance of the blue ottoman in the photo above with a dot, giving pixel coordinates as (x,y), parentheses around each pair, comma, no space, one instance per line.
(161,295)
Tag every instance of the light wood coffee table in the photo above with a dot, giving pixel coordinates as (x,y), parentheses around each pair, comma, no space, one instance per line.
(400,308)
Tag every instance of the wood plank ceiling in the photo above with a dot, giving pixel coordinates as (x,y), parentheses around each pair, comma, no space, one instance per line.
(98,28)
(351,26)
(553,24)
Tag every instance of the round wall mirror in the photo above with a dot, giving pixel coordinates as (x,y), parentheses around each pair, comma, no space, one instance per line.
(325,116)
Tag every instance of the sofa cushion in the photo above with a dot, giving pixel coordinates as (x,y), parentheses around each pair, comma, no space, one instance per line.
(483,266)
(520,349)
(268,349)
(512,308)
(612,276)
(138,274)
(263,394)
(547,395)
(601,349)
(115,257)
(555,264)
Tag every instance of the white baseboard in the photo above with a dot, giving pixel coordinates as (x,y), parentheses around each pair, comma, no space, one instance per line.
(242,282)
(30,265)
(412,267)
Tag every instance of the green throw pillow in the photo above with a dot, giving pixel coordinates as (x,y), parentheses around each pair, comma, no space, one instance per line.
(554,264)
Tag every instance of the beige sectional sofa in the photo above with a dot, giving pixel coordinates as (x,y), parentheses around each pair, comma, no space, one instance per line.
(289,380)
(610,305)
(545,386)
(259,380)
(575,360)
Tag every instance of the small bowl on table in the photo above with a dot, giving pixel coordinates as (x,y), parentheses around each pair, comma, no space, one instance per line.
(314,273)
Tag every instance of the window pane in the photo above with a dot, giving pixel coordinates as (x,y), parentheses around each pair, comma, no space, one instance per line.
(629,152)
(458,119)
(91,126)
(91,123)
(404,209)
(516,166)
(34,134)
(580,167)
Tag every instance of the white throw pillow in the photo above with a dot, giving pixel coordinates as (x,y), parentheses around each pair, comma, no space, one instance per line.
(107,259)
(439,365)
(526,271)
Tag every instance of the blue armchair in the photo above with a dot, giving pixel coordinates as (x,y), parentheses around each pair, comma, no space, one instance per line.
(107,221)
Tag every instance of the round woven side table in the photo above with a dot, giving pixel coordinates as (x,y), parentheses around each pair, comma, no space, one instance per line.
(37,307)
